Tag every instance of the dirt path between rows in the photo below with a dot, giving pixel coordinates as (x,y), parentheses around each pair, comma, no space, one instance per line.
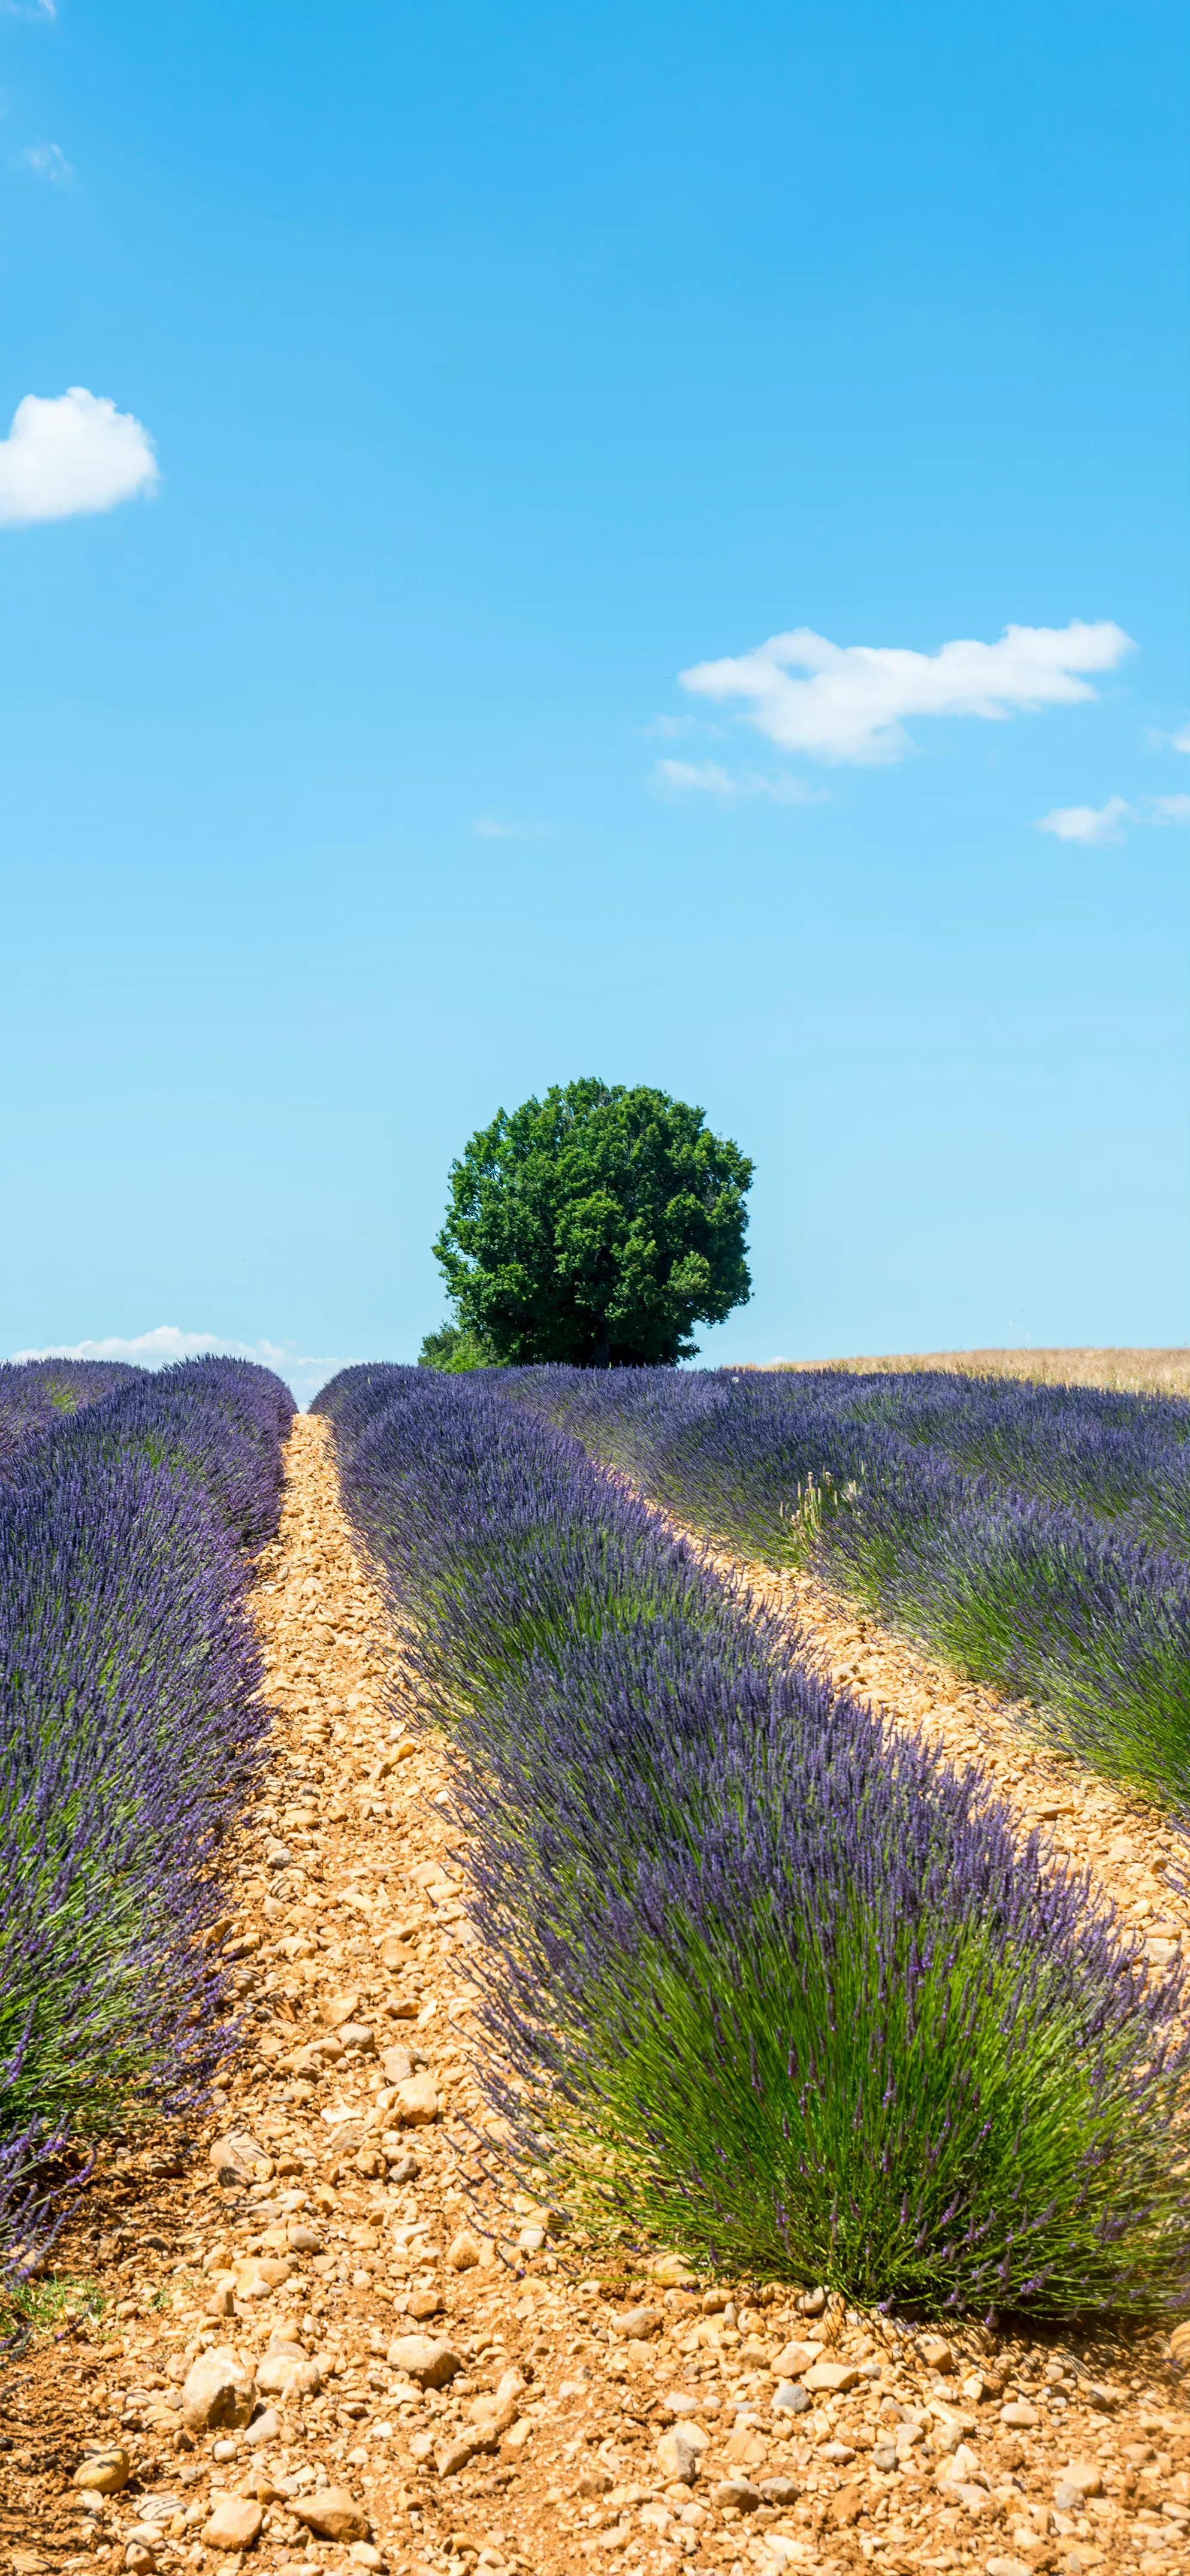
(336,2230)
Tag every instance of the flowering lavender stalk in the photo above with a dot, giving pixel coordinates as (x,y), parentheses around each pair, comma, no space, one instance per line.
(771,1982)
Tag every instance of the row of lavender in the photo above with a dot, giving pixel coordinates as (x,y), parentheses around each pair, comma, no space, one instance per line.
(1125,1458)
(768,1982)
(130,1722)
(36,1394)
(1051,1601)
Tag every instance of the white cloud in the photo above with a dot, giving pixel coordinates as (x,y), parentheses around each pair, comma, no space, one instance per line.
(1103,822)
(488,827)
(669,728)
(1088,822)
(168,1342)
(853,704)
(28,9)
(48,160)
(69,455)
(709,778)
(1181,741)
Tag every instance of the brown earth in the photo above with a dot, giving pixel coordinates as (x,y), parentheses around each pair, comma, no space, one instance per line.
(1135,1372)
(543,2451)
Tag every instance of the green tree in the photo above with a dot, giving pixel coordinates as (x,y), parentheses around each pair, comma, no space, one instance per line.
(595,1226)
(453,1346)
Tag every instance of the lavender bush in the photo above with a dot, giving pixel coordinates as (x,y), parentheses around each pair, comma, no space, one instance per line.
(34,1395)
(130,1725)
(1123,1457)
(215,1423)
(771,1982)
(1062,1606)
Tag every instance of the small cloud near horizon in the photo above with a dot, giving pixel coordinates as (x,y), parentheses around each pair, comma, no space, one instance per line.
(168,1342)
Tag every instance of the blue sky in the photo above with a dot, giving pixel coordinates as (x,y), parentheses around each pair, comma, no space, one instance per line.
(459,379)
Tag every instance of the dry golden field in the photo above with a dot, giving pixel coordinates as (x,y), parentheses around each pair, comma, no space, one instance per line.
(1140,1372)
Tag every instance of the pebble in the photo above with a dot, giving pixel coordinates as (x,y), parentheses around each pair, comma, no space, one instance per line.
(639,2323)
(218,2389)
(104,2472)
(332,2513)
(235,2524)
(263,2428)
(679,2453)
(425,2359)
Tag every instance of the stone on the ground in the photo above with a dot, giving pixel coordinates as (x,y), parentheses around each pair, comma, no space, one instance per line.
(679,2452)
(672,2271)
(739,2492)
(464,2252)
(238,2156)
(219,2389)
(288,2374)
(636,2325)
(235,2523)
(425,2359)
(459,2452)
(416,2104)
(1081,2479)
(358,2034)
(263,2428)
(340,2008)
(104,2472)
(261,2275)
(331,2513)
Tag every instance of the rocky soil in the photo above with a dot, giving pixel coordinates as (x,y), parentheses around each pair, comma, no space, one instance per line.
(336,2337)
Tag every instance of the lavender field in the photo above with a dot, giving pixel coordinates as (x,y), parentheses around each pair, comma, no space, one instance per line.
(130,1507)
(764,1979)
(1038,1537)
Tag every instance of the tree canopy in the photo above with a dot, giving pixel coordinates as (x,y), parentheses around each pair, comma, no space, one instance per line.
(595,1226)
(453,1348)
